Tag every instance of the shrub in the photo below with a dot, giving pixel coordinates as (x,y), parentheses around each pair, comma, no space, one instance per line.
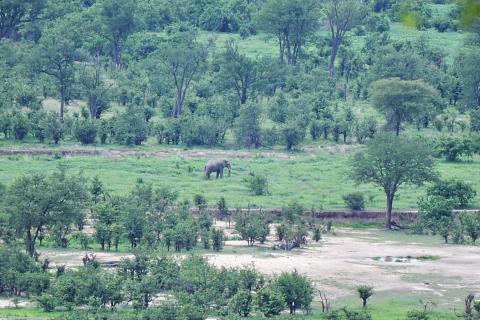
(293,133)
(20,125)
(296,289)
(241,303)
(46,302)
(217,239)
(270,136)
(85,131)
(247,126)
(270,301)
(258,185)
(471,225)
(417,315)
(365,292)
(54,127)
(202,130)
(452,148)
(168,132)
(461,193)
(354,201)
(130,128)
(292,211)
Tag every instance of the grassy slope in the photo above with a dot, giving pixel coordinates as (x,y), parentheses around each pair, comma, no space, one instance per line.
(315,180)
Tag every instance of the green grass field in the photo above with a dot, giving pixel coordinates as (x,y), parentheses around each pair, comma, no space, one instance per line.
(317,179)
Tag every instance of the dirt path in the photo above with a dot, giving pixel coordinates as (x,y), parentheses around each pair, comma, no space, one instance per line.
(165,153)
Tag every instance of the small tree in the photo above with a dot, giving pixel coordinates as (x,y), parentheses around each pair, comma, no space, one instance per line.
(293,133)
(247,126)
(222,208)
(217,239)
(436,215)
(258,185)
(270,301)
(401,100)
(35,202)
(241,303)
(390,162)
(471,224)
(365,292)
(296,289)
(354,201)
(461,193)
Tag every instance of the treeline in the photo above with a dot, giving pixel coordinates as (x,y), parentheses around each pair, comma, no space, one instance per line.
(145,69)
(154,285)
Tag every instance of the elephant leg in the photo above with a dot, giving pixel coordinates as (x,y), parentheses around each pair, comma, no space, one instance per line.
(221,173)
(218,173)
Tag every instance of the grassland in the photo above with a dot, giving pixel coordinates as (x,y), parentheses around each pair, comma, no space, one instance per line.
(317,178)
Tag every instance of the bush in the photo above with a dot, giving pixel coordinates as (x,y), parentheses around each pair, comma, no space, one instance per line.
(54,127)
(241,303)
(354,201)
(47,303)
(293,133)
(417,315)
(217,239)
(247,126)
(85,131)
(461,193)
(168,132)
(296,289)
(270,136)
(20,125)
(378,22)
(452,148)
(258,185)
(130,128)
(202,130)
(270,301)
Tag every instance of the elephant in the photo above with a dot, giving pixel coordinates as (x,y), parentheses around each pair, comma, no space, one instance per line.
(217,166)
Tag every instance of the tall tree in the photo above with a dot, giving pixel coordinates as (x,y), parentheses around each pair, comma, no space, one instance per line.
(468,66)
(15,13)
(342,16)
(389,162)
(182,59)
(401,100)
(37,202)
(118,22)
(291,22)
(237,71)
(55,56)
(94,86)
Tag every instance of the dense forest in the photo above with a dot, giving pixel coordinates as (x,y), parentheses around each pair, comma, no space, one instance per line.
(393,84)
(122,71)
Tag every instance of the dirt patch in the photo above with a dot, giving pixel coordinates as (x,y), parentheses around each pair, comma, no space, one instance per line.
(341,263)
(125,153)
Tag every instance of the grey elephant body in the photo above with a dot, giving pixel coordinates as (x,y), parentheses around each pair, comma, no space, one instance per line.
(217,166)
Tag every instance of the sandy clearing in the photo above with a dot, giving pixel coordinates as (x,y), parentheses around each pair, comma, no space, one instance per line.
(343,262)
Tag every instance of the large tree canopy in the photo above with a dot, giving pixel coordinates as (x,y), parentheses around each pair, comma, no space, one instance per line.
(291,22)
(389,162)
(342,16)
(402,101)
(37,201)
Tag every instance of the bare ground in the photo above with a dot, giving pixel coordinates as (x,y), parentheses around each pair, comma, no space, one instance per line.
(165,153)
(341,262)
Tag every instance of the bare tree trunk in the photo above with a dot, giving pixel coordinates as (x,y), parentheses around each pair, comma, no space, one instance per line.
(333,57)
(388,220)
(62,101)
